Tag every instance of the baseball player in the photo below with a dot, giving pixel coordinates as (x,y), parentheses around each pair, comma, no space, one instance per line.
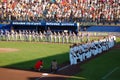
(59,37)
(71,56)
(66,37)
(63,37)
(40,36)
(55,37)
(50,37)
(74,37)
(12,35)
(33,35)
(70,37)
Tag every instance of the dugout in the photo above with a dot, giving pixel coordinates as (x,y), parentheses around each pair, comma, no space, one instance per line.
(40,26)
(62,28)
(28,27)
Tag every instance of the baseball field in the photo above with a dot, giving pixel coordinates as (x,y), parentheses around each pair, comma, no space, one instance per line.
(23,56)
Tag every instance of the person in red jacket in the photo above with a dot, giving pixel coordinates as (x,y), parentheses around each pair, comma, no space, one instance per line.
(39,65)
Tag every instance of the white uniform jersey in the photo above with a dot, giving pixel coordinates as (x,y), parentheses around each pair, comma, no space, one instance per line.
(86,51)
(72,56)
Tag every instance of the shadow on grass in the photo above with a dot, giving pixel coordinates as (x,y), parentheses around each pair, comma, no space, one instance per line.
(62,58)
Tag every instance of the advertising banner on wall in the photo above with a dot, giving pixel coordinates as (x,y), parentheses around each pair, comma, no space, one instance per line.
(44,23)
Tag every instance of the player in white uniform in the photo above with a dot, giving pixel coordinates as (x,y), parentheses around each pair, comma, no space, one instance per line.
(15,35)
(12,35)
(78,37)
(99,46)
(110,42)
(40,36)
(70,37)
(114,40)
(36,36)
(75,53)
(63,37)
(82,37)
(71,55)
(94,49)
(50,37)
(80,52)
(87,37)
(88,52)
(74,37)
(84,51)
(33,35)
(1,34)
(44,36)
(29,36)
(20,35)
(66,37)
(104,44)
(8,36)
(55,37)
(59,37)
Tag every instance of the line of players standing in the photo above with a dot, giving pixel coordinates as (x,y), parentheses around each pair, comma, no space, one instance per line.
(82,52)
(45,36)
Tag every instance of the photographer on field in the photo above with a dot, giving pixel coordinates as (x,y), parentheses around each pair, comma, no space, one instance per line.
(39,65)
(54,66)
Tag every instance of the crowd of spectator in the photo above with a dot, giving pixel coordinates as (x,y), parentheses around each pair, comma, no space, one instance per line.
(61,10)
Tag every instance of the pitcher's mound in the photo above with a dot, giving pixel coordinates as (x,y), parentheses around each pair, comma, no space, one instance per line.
(5,50)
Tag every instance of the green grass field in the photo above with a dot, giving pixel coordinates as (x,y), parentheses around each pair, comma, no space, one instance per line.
(29,53)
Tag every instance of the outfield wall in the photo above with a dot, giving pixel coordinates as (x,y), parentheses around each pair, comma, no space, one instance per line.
(103,28)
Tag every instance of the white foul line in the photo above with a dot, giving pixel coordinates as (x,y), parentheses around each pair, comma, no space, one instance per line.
(110,73)
(63,68)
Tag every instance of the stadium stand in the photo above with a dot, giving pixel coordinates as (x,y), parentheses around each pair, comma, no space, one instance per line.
(98,11)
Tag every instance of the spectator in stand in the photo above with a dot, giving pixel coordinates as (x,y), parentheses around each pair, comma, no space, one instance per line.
(61,10)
